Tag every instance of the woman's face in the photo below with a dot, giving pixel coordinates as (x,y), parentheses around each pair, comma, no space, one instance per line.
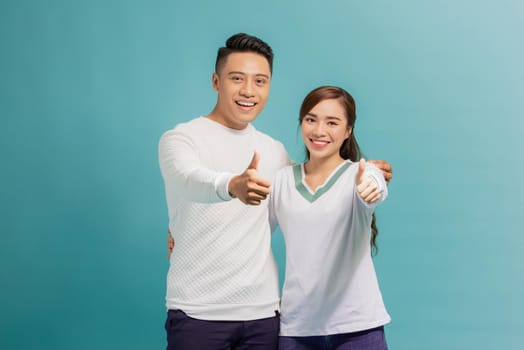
(324,129)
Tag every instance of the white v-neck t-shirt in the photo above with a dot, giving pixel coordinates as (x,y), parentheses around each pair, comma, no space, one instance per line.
(330,286)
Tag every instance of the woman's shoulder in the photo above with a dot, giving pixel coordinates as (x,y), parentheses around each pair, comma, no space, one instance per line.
(289,169)
(288,172)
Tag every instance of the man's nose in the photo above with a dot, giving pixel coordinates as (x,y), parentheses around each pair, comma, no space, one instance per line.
(247,89)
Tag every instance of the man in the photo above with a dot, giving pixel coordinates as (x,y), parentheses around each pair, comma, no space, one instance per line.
(222,284)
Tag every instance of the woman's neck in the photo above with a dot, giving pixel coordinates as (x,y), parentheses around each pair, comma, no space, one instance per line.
(318,170)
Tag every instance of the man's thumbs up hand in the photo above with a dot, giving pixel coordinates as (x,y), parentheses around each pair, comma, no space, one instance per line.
(248,186)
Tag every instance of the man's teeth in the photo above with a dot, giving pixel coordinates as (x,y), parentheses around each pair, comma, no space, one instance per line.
(246,104)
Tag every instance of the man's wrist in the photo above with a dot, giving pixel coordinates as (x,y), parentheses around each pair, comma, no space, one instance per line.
(222,186)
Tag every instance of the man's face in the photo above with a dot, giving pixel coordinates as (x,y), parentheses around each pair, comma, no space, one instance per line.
(242,84)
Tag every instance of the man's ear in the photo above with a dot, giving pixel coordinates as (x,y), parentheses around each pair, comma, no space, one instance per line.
(214,81)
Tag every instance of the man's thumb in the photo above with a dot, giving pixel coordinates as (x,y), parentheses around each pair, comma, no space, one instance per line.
(254,161)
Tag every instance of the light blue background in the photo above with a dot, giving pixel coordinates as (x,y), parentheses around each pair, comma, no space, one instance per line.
(88,87)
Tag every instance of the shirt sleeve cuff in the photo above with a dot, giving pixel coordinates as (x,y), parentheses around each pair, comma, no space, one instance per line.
(382,187)
(221,186)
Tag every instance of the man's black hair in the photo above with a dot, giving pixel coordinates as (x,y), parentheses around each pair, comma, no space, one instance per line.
(242,42)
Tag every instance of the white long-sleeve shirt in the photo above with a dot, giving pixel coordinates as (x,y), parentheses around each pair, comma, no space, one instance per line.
(331,286)
(222,267)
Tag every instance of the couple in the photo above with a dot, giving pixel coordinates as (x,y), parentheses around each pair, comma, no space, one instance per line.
(228,185)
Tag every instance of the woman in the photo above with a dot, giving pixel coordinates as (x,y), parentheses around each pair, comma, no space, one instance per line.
(324,207)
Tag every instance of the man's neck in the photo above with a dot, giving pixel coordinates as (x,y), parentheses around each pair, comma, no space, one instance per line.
(219,118)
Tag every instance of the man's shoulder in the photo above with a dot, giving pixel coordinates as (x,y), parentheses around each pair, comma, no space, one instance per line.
(192,124)
(186,127)
(266,138)
(276,148)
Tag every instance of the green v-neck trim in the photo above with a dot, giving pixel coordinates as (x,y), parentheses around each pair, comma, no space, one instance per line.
(302,189)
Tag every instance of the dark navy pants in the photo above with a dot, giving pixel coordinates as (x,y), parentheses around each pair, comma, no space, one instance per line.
(371,339)
(187,333)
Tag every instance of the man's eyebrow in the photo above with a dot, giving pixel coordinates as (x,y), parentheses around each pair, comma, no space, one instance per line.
(243,73)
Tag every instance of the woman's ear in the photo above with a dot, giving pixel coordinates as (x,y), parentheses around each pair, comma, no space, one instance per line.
(349,131)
